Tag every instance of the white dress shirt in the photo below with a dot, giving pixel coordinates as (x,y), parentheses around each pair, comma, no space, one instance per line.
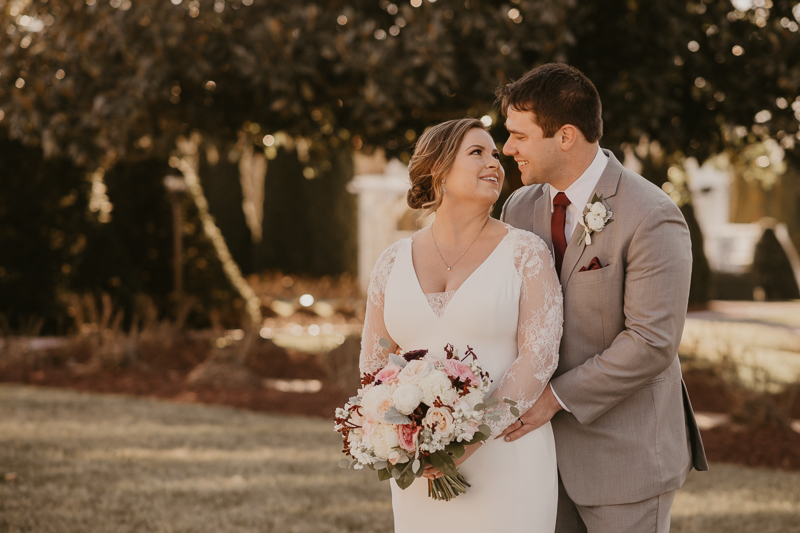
(579,194)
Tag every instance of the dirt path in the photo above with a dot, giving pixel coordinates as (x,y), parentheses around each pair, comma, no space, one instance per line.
(74,462)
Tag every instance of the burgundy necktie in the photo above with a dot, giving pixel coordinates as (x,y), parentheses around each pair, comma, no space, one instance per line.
(560,203)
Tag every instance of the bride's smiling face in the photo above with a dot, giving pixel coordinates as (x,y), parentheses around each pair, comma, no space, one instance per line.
(476,174)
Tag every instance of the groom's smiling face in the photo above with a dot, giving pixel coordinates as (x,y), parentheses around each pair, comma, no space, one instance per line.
(537,156)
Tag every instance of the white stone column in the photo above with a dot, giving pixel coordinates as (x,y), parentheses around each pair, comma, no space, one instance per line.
(381,206)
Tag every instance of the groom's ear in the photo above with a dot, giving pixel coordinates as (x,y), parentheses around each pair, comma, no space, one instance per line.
(569,135)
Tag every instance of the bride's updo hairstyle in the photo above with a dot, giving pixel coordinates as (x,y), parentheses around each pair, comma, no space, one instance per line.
(434,155)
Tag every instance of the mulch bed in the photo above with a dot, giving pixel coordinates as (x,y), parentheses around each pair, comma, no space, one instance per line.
(769,446)
(174,387)
(772,447)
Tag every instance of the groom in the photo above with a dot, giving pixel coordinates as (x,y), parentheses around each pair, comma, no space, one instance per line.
(625,433)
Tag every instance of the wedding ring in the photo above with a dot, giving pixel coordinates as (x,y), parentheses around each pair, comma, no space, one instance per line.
(521,423)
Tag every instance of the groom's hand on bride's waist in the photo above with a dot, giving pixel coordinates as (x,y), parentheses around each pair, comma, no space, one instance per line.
(538,415)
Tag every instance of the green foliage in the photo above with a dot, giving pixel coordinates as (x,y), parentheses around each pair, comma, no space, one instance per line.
(54,243)
(106,83)
(444,463)
(456,449)
(223,191)
(772,269)
(133,254)
(121,79)
(43,229)
(309,225)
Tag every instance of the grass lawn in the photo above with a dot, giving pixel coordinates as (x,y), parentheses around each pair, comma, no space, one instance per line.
(75,462)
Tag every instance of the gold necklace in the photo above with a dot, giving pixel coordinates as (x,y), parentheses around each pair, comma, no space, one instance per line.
(449,267)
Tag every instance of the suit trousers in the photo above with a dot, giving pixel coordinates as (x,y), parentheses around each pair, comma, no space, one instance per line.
(648,516)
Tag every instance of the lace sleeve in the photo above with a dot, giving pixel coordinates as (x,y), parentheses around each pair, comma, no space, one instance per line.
(373,356)
(538,331)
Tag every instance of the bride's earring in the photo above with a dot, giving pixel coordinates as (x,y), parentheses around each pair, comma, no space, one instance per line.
(444,191)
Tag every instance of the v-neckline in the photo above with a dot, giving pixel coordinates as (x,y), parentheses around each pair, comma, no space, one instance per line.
(458,289)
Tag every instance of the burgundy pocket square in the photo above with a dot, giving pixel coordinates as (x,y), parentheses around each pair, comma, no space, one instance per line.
(594,264)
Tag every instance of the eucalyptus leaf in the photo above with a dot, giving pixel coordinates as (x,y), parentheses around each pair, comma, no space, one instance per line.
(393,416)
(493,417)
(406,479)
(491,401)
(380,465)
(486,430)
(456,448)
(385,343)
(396,473)
(415,466)
(406,468)
(344,462)
(480,406)
(396,359)
(444,463)
(509,401)
(514,411)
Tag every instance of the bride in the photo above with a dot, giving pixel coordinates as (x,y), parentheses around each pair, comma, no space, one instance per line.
(471,280)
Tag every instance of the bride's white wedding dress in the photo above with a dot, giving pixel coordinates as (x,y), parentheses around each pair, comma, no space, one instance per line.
(509,310)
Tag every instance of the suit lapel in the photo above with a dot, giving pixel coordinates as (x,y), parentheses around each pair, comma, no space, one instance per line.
(572,255)
(541,217)
(607,187)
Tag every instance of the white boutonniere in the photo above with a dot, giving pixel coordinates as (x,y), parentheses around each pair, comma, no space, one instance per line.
(595,218)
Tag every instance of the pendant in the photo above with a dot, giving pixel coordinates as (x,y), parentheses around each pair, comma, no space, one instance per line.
(448,268)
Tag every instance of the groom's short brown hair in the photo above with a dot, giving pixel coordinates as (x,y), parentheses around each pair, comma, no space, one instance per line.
(556,94)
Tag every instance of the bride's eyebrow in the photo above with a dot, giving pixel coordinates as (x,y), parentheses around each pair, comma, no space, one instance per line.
(472,147)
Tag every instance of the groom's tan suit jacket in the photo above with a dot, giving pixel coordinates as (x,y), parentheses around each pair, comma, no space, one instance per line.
(631,433)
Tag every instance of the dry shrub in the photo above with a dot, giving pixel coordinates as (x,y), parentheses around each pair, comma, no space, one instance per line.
(100,342)
(754,398)
(762,401)
(15,346)
(225,367)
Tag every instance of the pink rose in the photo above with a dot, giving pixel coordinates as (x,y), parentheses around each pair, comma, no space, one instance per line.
(388,374)
(456,369)
(407,434)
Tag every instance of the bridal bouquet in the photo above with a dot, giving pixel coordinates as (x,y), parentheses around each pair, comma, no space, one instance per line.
(420,409)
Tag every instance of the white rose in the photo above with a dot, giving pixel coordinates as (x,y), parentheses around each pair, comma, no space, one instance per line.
(473,398)
(413,372)
(440,419)
(383,440)
(376,402)
(406,398)
(435,384)
(594,222)
(598,209)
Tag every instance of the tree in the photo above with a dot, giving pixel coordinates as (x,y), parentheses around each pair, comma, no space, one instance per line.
(103,83)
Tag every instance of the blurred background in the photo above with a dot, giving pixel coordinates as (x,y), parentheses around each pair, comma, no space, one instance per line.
(193,192)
